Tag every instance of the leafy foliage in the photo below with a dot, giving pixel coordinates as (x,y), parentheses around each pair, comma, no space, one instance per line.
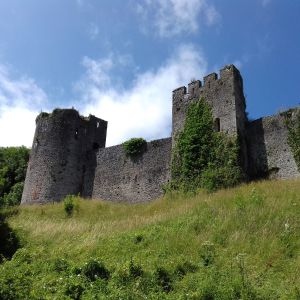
(9,242)
(203,157)
(13,165)
(134,146)
(70,204)
(94,269)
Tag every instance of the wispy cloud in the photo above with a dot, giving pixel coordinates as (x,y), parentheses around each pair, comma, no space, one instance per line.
(173,17)
(21,99)
(144,109)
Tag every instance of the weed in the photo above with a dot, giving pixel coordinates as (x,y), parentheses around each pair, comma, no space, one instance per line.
(94,269)
(207,253)
(163,279)
(70,204)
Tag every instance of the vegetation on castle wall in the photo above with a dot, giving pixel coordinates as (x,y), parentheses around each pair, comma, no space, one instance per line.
(13,165)
(202,157)
(294,134)
(134,146)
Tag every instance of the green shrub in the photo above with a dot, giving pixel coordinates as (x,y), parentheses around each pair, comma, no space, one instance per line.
(128,272)
(74,290)
(70,205)
(207,253)
(134,146)
(95,269)
(15,195)
(60,265)
(182,269)
(13,166)
(138,238)
(163,279)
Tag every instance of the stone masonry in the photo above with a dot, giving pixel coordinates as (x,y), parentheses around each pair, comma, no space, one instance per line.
(68,155)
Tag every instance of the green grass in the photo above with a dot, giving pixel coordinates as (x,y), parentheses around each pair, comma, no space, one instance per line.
(241,243)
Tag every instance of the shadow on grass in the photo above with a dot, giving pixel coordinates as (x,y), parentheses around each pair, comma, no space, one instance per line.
(9,241)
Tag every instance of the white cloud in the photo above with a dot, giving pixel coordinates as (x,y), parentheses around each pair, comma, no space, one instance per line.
(172,17)
(20,102)
(145,108)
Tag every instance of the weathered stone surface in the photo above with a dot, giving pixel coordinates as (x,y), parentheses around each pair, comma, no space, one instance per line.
(69,155)
(269,152)
(138,179)
(62,156)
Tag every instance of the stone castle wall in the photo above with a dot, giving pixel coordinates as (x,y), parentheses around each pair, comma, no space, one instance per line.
(138,179)
(268,149)
(69,156)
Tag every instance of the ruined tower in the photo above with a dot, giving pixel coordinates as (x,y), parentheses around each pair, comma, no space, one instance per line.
(63,156)
(226,98)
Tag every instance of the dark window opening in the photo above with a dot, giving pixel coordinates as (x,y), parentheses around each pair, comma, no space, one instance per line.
(95,146)
(76,134)
(217,125)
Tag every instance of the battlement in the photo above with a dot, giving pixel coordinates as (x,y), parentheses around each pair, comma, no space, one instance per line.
(225,95)
(195,86)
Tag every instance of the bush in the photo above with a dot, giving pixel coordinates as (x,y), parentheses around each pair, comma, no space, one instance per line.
(94,269)
(60,265)
(69,205)
(182,269)
(15,195)
(128,272)
(207,253)
(163,279)
(13,166)
(134,146)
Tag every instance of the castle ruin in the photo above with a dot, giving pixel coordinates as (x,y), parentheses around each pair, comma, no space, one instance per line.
(69,157)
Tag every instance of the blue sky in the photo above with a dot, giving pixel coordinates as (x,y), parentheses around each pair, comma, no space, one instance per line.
(120,60)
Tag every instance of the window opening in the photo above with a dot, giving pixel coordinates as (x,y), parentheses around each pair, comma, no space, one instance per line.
(217,125)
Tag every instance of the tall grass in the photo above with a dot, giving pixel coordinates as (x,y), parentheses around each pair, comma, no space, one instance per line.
(243,242)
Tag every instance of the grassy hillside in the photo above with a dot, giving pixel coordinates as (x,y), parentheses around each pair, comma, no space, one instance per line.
(242,243)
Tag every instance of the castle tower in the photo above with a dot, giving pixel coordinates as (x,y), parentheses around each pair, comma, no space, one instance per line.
(226,97)
(63,156)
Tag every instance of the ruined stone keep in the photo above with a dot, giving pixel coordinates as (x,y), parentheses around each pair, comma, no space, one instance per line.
(69,157)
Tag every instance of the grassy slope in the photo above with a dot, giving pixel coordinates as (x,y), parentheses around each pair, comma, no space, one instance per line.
(242,243)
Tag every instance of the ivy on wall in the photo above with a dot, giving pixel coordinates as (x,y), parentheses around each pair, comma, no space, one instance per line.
(293,125)
(203,158)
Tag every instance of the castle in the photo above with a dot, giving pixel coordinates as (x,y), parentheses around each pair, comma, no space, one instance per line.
(68,155)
